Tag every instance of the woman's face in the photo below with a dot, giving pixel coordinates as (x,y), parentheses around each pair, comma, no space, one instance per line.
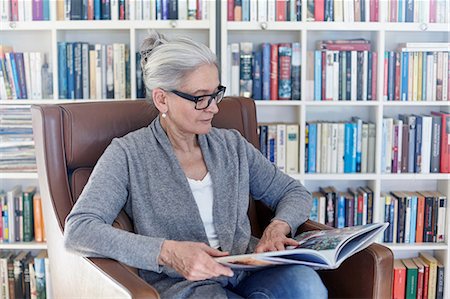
(182,113)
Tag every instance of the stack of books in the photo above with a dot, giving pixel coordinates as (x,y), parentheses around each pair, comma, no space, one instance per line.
(16,139)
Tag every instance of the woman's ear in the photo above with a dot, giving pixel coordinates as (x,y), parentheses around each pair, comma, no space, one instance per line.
(160,99)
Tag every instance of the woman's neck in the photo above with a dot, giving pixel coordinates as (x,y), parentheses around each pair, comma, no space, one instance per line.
(180,140)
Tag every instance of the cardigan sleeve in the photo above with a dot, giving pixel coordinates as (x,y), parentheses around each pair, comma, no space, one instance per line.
(290,200)
(89,229)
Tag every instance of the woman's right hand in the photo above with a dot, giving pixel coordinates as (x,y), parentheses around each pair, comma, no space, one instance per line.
(193,260)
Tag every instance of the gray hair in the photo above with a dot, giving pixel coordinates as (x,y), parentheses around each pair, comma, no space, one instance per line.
(165,62)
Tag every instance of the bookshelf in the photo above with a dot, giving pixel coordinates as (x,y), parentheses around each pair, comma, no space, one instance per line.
(384,36)
(43,36)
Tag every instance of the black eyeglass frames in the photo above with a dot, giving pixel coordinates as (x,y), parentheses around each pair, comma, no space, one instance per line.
(203,101)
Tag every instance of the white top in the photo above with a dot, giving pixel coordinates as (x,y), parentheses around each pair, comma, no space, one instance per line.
(203,195)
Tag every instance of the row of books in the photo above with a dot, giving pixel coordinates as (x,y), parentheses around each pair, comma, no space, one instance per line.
(21,217)
(24,75)
(268,72)
(342,209)
(24,275)
(418,11)
(93,71)
(416,144)
(417,75)
(414,217)
(340,147)
(16,139)
(32,10)
(343,10)
(345,75)
(264,10)
(133,9)
(279,142)
(171,9)
(418,277)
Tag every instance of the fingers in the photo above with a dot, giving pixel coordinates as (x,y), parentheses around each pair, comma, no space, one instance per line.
(214,252)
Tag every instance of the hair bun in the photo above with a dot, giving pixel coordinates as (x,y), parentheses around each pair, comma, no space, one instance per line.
(153,40)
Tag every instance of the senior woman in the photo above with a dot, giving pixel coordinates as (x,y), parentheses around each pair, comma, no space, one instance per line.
(185,186)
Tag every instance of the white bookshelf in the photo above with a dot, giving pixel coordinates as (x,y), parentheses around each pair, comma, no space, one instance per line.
(43,36)
(384,36)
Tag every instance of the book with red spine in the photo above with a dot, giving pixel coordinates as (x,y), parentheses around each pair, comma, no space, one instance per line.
(319,10)
(274,71)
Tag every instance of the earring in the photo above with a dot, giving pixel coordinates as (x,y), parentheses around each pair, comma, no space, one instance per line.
(164,115)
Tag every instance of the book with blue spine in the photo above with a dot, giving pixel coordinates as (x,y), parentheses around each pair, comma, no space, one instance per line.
(70,71)
(97,10)
(77,62)
(348,75)
(62,70)
(413,219)
(359,123)
(106,10)
(404,77)
(245,10)
(46,10)
(10,56)
(340,209)
(369,76)
(173,9)
(18,57)
(266,71)
(317,75)
(284,72)
(263,140)
(314,212)
(391,75)
(257,75)
(350,148)
(387,218)
(409,14)
(312,147)
(164,9)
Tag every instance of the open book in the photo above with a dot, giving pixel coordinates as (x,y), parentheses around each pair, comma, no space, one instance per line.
(320,249)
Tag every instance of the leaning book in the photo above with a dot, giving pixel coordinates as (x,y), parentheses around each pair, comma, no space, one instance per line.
(320,249)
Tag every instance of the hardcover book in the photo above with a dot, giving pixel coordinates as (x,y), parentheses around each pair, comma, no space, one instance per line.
(325,249)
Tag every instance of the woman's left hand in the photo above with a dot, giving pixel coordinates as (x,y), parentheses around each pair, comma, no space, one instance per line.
(274,237)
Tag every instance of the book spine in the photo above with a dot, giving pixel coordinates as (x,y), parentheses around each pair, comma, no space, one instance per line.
(292,148)
(257,76)
(246,58)
(317,75)
(296,72)
(266,65)
(312,147)
(281,147)
(28,232)
(284,82)
(274,72)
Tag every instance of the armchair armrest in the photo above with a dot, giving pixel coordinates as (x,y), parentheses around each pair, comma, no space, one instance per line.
(367,274)
(122,274)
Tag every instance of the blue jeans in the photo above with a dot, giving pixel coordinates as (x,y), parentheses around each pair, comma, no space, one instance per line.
(292,281)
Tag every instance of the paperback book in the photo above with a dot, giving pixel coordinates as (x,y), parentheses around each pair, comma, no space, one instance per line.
(320,249)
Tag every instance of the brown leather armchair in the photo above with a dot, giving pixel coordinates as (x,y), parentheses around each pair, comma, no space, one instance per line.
(69,140)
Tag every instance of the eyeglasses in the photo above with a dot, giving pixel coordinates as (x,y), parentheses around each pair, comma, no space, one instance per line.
(203,102)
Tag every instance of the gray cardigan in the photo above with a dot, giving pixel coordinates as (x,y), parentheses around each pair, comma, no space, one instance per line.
(141,174)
